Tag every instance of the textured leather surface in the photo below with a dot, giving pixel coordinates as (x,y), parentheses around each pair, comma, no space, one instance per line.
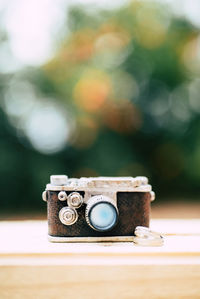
(134,210)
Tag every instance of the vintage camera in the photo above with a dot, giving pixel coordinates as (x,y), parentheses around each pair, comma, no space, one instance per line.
(97,208)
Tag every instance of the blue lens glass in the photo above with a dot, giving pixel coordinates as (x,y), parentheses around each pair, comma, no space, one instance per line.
(103,216)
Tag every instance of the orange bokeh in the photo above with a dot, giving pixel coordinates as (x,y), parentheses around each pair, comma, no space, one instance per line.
(91,93)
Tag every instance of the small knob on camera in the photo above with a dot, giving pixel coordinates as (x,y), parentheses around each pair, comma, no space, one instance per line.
(75,200)
(68,216)
(44,195)
(62,195)
(153,196)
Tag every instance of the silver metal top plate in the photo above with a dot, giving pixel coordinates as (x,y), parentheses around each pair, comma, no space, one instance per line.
(99,184)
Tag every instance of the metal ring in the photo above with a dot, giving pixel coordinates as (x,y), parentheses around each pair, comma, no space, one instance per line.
(74,200)
(146,237)
(68,216)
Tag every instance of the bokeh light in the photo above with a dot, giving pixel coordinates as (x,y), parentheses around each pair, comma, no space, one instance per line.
(30,32)
(92,90)
(95,88)
(48,129)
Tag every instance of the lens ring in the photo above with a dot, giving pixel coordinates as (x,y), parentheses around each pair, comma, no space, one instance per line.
(101,213)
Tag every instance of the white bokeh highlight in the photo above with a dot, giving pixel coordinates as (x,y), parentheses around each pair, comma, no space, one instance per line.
(47,129)
(31,27)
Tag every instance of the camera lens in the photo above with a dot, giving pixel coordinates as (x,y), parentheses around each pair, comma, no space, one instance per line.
(103,216)
(101,213)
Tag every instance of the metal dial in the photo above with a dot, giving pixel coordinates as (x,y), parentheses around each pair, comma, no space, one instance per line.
(75,200)
(68,216)
(44,195)
(62,195)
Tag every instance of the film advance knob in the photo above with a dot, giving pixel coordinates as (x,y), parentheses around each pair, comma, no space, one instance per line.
(75,200)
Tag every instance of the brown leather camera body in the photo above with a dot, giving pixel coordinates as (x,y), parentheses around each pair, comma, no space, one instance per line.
(133,207)
(70,202)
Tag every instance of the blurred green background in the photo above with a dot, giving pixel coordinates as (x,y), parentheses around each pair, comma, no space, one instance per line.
(89,89)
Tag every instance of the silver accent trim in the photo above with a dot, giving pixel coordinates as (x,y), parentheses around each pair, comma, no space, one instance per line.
(108,186)
(58,180)
(146,237)
(77,198)
(111,184)
(95,199)
(62,196)
(44,195)
(145,188)
(90,239)
(68,216)
(153,196)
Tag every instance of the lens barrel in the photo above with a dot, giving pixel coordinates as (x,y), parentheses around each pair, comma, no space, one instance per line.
(101,213)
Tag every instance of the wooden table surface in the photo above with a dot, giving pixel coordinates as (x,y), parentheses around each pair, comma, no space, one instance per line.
(31,267)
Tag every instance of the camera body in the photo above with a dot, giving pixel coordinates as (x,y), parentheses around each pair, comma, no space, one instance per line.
(96,209)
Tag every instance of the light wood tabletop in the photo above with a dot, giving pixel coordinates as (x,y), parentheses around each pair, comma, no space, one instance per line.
(31,267)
